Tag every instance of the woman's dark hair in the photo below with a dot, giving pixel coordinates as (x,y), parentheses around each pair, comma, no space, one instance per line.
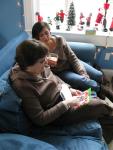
(29,52)
(37,28)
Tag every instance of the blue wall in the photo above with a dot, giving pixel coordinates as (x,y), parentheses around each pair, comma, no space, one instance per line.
(11,20)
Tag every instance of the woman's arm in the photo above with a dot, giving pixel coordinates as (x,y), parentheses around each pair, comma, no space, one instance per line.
(33,109)
(73,59)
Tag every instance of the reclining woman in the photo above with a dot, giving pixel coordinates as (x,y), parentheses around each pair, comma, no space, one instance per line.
(69,68)
(40,90)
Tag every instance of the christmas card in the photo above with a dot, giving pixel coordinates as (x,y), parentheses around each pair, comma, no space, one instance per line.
(83,98)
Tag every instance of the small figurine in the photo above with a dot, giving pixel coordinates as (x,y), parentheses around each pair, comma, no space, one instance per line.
(39,18)
(111,26)
(49,20)
(62,14)
(88,20)
(57,21)
(106,7)
(81,23)
(99,18)
(81,19)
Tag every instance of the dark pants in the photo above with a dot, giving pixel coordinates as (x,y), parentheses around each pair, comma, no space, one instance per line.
(95,109)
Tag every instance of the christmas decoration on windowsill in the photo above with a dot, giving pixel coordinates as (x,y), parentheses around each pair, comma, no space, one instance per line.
(71,17)
(57,20)
(62,14)
(111,26)
(106,7)
(49,20)
(88,20)
(99,17)
(81,22)
(39,18)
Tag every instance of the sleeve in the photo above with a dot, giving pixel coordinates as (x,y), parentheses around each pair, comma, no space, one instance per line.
(73,59)
(33,109)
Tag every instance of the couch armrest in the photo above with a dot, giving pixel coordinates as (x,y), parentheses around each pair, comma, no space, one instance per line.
(84,51)
(7,53)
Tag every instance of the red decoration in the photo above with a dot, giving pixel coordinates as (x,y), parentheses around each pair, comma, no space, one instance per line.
(39,18)
(106,6)
(82,22)
(62,14)
(111,26)
(99,16)
(81,19)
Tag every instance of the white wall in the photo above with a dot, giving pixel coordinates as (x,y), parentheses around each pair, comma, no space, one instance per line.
(29,10)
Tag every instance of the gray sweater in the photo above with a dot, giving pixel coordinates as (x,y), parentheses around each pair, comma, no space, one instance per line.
(67,59)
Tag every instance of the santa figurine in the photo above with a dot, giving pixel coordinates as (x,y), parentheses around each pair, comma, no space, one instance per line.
(81,19)
(81,23)
(38,17)
(99,17)
(62,14)
(88,20)
(111,26)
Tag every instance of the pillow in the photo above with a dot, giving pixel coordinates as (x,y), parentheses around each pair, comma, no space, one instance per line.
(12,118)
(7,53)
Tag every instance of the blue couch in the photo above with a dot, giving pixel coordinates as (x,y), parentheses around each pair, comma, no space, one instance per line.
(16,131)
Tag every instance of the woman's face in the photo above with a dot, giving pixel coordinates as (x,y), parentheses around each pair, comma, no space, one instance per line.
(38,67)
(44,35)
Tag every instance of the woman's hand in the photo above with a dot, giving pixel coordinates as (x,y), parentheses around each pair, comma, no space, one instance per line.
(75,92)
(52,59)
(73,102)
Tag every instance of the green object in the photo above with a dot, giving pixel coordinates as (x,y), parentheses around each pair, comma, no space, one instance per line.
(89,93)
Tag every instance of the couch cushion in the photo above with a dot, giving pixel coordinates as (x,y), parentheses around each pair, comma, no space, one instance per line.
(79,48)
(12,117)
(83,136)
(20,142)
(86,128)
(75,142)
(7,53)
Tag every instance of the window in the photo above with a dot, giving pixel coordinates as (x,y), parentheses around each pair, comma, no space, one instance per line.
(48,8)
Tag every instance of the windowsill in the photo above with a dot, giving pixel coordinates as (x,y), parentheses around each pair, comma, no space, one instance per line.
(98,33)
(104,39)
(99,39)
